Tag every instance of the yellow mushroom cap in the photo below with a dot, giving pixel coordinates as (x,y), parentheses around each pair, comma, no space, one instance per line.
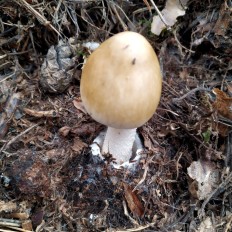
(121,81)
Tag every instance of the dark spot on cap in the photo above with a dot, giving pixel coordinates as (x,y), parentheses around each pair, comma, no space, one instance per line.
(133,61)
(127,46)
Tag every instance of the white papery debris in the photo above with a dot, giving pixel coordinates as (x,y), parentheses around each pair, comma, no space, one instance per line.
(172,10)
(91,45)
(206,226)
(205,177)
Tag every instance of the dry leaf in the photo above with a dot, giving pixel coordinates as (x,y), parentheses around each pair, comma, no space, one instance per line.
(133,201)
(79,105)
(205,178)
(27,225)
(86,129)
(223,104)
(78,145)
(53,155)
(64,131)
(223,21)
(172,10)
(206,226)
(21,216)
(7,206)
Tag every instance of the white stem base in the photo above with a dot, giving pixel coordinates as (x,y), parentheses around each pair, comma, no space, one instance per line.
(137,149)
(119,143)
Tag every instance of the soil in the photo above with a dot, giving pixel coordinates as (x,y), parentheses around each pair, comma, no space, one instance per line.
(50,181)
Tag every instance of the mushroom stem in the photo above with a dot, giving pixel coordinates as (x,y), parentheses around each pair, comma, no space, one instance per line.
(119,143)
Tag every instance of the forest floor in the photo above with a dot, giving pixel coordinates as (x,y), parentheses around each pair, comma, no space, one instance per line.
(49,179)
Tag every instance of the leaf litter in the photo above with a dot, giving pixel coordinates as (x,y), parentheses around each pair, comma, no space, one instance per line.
(50,181)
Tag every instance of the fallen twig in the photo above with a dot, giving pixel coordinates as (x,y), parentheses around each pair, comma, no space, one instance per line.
(144,174)
(191,92)
(39,17)
(6,145)
(217,191)
(41,113)
(160,15)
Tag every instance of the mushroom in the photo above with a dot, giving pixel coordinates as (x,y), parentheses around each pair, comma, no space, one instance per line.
(120,88)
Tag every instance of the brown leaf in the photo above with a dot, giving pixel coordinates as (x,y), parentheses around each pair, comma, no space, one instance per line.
(134,203)
(7,206)
(86,129)
(53,155)
(21,216)
(27,225)
(64,131)
(223,103)
(78,145)
(223,22)
(79,105)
